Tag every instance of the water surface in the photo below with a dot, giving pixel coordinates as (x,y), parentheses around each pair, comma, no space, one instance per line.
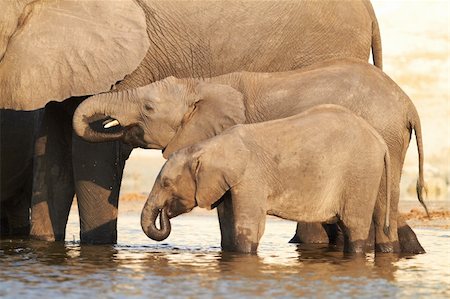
(190,264)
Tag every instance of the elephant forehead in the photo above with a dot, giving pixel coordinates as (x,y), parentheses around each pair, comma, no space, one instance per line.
(61,49)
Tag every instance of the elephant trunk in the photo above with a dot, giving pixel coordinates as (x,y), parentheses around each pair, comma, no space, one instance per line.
(114,105)
(148,219)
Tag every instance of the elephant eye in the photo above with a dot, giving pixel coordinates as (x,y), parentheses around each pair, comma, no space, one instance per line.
(148,107)
(166,183)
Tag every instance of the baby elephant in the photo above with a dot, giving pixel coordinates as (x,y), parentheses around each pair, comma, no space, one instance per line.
(323,165)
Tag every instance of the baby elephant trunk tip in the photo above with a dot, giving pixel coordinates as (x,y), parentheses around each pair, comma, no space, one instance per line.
(148,219)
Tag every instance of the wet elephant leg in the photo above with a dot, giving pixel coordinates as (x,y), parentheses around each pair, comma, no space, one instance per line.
(98,169)
(334,233)
(407,238)
(310,233)
(53,188)
(18,214)
(386,241)
(4,227)
(15,211)
(226,222)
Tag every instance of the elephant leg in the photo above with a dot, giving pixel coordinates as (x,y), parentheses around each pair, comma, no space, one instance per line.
(407,238)
(311,233)
(226,222)
(53,188)
(247,224)
(334,233)
(355,234)
(385,241)
(4,226)
(18,214)
(98,169)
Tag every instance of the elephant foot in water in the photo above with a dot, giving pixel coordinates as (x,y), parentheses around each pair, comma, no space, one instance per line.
(317,233)
(408,239)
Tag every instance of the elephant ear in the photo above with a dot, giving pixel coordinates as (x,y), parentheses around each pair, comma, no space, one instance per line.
(52,50)
(216,108)
(217,169)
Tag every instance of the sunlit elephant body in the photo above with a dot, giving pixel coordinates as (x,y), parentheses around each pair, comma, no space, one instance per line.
(175,113)
(325,164)
(56,50)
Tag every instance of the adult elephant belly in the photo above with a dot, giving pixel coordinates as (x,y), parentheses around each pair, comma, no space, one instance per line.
(210,38)
(92,45)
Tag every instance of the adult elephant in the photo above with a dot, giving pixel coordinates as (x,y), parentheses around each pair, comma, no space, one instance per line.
(63,51)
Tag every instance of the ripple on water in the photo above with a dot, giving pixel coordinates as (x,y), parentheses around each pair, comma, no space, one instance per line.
(187,265)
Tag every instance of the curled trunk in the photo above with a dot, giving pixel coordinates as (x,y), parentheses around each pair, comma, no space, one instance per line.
(148,219)
(116,105)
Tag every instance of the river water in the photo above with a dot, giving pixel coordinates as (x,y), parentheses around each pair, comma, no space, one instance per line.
(190,264)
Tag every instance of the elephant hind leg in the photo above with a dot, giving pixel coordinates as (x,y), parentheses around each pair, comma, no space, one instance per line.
(355,220)
(385,241)
(311,233)
(355,235)
(408,239)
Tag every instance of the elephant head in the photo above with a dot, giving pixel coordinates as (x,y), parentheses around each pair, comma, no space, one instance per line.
(198,175)
(168,114)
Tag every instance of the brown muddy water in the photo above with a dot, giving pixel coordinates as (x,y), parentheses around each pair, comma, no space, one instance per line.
(190,264)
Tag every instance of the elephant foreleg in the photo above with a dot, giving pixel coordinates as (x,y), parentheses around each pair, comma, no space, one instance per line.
(98,169)
(244,229)
(226,222)
(53,188)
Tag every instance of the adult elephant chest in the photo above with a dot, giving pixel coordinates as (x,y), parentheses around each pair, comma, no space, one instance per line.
(208,38)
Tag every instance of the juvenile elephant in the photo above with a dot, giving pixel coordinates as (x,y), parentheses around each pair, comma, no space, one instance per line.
(175,113)
(325,164)
(66,50)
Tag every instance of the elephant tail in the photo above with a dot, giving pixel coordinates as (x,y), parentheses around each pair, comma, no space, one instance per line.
(415,125)
(387,170)
(376,37)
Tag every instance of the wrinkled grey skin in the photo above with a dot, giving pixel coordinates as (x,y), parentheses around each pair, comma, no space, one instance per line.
(18,130)
(175,113)
(89,48)
(280,168)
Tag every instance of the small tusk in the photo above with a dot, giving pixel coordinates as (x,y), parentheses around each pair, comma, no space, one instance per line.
(111,123)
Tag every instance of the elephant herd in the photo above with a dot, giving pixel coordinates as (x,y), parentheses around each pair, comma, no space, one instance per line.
(260,108)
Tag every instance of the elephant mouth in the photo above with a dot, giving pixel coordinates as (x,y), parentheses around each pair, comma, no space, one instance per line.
(175,208)
(110,123)
(105,124)
(131,134)
(172,214)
